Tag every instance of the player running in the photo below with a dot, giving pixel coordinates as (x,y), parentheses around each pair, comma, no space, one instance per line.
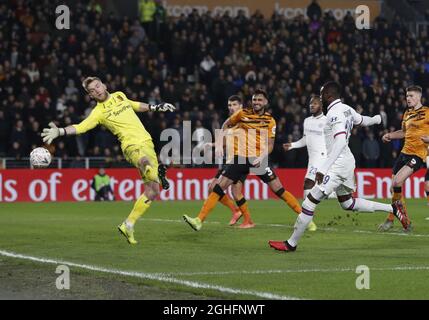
(314,139)
(117,113)
(253,123)
(415,131)
(235,104)
(337,171)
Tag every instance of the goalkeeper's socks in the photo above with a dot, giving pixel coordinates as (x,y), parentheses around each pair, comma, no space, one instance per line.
(290,200)
(140,207)
(227,202)
(211,202)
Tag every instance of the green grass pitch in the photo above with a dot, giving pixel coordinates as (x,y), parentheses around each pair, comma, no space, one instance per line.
(172,261)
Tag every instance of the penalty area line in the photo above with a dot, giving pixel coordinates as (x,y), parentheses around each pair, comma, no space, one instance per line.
(151,276)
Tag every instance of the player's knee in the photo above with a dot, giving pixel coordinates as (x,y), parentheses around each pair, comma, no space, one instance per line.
(308,184)
(218,190)
(152,193)
(144,162)
(316,195)
(211,188)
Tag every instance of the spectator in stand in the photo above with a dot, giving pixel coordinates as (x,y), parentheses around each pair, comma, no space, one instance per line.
(371,151)
(101,185)
(290,58)
(314,11)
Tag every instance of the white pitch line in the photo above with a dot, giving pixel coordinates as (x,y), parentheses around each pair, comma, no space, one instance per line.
(333,270)
(401,234)
(151,276)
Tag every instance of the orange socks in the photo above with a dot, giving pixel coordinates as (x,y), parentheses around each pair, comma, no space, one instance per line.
(227,202)
(290,200)
(242,204)
(397,195)
(208,205)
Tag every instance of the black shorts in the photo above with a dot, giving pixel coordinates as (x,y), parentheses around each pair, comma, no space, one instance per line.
(236,170)
(427,175)
(413,161)
(221,172)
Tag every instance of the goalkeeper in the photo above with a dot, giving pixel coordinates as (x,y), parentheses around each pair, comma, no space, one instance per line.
(118,114)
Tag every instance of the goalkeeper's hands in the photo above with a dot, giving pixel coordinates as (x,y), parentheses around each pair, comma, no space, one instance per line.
(162,107)
(50,134)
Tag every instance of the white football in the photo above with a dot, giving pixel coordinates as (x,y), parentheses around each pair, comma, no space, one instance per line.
(40,158)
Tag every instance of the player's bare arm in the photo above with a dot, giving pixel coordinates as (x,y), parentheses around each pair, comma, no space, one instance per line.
(400,134)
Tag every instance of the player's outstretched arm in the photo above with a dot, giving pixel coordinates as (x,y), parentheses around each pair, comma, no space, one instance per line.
(301,143)
(53,132)
(400,134)
(162,107)
(366,121)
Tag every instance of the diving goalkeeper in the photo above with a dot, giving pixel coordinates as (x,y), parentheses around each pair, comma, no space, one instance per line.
(118,114)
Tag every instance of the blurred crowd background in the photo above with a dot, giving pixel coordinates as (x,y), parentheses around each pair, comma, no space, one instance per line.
(196,62)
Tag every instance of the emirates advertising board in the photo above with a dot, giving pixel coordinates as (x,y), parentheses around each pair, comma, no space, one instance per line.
(50,185)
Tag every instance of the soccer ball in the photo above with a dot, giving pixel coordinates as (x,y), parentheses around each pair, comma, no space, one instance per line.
(40,158)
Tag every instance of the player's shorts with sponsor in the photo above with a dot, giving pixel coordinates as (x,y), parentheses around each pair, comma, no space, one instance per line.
(240,167)
(340,178)
(412,161)
(221,172)
(313,164)
(133,153)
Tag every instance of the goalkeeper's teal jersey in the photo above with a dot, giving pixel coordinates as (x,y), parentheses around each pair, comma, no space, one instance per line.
(117,114)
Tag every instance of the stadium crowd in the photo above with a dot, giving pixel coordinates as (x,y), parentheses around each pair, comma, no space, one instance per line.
(196,62)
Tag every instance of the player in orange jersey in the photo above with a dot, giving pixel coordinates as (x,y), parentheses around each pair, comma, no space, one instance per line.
(235,104)
(415,131)
(256,130)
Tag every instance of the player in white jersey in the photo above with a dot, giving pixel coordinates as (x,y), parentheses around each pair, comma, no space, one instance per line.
(314,139)
(337,171)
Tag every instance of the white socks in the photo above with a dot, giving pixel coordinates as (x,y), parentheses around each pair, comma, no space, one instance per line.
(301,224)
(303,220)
(363,205)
